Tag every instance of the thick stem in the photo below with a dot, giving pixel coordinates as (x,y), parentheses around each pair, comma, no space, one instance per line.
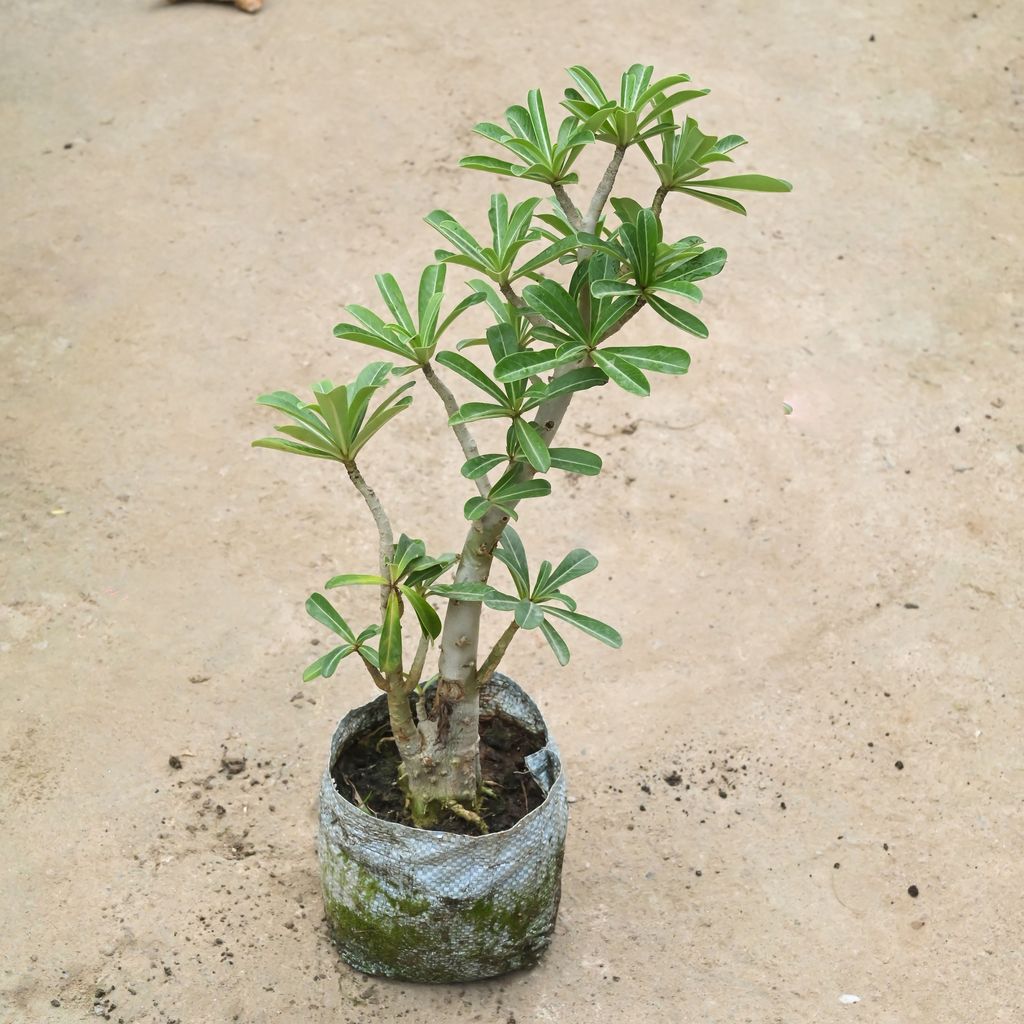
(469,448)
(626,317)
(451,733)
(387,537)
(659,199)
(604,190)
(493,660)
(572,214)
(460,638)
(415,673)
(510,294)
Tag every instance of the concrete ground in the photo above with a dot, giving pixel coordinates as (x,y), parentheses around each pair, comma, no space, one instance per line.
(822,611)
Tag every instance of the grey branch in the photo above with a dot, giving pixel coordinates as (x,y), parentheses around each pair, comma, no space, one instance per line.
(469,448)
(535,318)
(387,537)
(659,199)
(419,659)
(572,214)
(603,191)
(493,659)
(624,319)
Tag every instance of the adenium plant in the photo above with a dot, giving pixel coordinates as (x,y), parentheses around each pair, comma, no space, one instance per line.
(558,283)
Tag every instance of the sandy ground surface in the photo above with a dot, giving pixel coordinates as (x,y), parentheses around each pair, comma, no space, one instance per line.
(190,194)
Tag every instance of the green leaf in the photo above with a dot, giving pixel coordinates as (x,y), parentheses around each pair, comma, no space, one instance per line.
(353,579)
(448,226)
(475,508)
(395,301)
(470,300)
(369,654)
(279,444)
(667,103)
(678,286)
(546,256)
(492,165)
(475,468)
(577,563)
(512,491)
(470,371)
(626,209)
(576,460)
(390,651)
(376,421)
(468,592)
(627,376)
(588,84)
(592,627)
(727,143)
(287,403)
(556,643)
(407,551)
(606,289)
(473,411)
(326,614)
(429,620)
(310,438)
(500,602)
(502,340)
(747,182)
(680,317)
(511,553)
(557,595)
(528,615)
(519,365)
(551,300)
(532,445)
(325,665)
(709,197)
(659,358)
(431,283)
(425,570)
(575,380)
(706,264)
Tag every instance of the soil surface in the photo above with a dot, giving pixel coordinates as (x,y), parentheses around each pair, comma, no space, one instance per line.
(366,774)
(191,194)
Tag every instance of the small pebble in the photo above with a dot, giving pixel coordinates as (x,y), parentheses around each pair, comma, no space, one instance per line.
(913,891)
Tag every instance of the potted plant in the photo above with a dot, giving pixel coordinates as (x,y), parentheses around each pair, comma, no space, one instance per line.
(443,807)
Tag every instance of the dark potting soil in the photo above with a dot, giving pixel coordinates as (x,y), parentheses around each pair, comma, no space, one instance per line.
(366,774)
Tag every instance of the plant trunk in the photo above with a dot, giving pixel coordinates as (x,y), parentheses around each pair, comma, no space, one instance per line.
(440,755)
(442,760)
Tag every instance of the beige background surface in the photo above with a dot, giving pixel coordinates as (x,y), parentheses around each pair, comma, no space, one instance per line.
(230,182)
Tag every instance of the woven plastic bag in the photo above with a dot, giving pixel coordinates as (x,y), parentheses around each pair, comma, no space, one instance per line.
(434,906)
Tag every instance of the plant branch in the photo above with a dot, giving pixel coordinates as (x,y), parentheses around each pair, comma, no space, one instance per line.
(387,537)
(510,294)
(659,199)
(572,214)
(493,659)
(418,661)
(469,448)
(603,191)
(624,319)
(378,680)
